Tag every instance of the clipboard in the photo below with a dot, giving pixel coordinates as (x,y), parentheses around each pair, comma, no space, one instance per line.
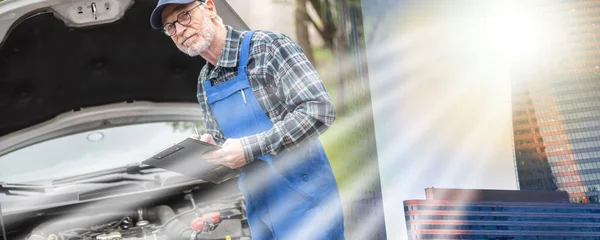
(185,157)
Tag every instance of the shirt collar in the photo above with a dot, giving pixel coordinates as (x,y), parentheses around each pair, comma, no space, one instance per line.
(229,55)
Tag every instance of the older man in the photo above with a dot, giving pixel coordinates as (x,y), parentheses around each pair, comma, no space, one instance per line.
(265,104)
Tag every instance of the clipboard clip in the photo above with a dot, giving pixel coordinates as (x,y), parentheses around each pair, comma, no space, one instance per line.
(167,151)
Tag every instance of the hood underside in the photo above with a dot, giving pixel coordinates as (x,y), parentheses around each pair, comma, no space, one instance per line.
(48,68)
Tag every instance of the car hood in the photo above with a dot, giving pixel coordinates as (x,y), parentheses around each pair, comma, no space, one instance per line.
(69,66)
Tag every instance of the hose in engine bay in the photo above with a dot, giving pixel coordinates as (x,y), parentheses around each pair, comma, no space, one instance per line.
(43,230)
(175,228)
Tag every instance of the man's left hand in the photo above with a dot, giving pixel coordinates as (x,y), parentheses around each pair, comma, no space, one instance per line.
(231,154)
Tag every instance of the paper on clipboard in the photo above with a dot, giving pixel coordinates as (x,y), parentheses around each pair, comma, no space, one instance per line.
(185,157)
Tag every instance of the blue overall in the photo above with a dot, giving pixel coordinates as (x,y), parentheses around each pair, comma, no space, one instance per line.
(290,195)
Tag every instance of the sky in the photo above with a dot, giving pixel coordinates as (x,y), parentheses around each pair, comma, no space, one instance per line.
(440,85)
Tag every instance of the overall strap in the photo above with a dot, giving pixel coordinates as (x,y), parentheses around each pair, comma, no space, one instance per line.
(245,51)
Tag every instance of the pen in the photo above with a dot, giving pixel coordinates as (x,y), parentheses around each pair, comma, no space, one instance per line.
(243,96)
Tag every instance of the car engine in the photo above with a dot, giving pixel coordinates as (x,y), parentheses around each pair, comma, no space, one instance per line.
(178,216)
(215,220)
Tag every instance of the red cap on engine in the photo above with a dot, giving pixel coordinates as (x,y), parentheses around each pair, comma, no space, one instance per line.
(214,216)
(198,224)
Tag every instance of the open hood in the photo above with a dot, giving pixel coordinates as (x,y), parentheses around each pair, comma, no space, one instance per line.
(61,56)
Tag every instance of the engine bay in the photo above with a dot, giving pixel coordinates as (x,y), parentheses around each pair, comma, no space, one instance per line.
(186,213)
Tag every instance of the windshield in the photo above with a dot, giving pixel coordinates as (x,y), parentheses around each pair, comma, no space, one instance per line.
(92,151)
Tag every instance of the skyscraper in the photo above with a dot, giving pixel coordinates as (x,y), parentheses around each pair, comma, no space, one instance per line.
(556,105)
(500,214)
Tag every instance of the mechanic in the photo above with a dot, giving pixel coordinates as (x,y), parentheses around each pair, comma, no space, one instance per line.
(266,105)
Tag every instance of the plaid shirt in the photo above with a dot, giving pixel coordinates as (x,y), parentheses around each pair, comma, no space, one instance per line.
(286,86)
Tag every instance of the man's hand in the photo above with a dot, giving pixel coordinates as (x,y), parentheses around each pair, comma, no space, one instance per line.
(205,138)
(230,155)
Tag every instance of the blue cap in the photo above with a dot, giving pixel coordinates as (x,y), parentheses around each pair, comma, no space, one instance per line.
(156,17)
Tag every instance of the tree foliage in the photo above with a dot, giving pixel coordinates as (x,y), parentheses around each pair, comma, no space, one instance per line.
(339,24)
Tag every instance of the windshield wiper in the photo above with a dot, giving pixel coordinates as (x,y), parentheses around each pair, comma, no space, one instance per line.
(127,172)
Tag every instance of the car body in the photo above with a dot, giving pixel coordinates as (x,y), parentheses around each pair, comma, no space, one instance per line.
(88,90)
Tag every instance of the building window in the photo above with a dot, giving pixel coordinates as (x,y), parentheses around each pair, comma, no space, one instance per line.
(520,122)
(522,132)
(519,113)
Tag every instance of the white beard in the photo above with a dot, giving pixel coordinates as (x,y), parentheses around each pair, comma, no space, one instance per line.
(205,37)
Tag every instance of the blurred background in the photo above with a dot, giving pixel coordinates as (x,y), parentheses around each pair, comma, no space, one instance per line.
(497,95)
(332,35)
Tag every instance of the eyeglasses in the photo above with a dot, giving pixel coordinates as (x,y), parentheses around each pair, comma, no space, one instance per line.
(184,18)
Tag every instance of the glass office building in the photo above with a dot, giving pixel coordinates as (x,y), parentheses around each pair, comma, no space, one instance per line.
(556,105)
(500,214)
